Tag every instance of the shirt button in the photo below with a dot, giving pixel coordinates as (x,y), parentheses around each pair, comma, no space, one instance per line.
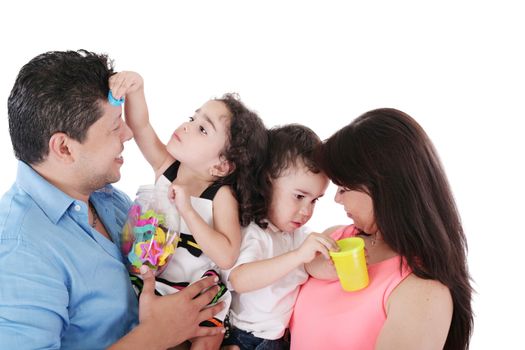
(77,207)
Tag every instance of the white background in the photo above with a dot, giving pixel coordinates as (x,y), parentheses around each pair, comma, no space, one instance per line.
(457,67)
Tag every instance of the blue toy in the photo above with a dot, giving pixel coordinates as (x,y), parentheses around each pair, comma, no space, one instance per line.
(112,100)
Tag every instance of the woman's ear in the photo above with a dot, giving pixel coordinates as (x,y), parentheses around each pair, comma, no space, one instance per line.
(60,147)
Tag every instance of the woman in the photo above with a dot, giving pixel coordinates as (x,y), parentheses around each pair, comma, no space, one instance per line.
(392,185)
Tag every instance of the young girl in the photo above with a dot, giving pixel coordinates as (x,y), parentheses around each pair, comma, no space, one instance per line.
(270,269)
(208,168)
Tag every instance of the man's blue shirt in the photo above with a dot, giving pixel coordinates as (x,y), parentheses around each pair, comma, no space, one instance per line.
(62,283)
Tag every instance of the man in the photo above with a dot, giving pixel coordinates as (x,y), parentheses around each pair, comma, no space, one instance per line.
(63,283)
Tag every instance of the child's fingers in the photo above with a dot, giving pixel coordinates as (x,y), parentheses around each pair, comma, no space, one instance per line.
(332,244)
(119,89)
(327,242)
(119,84)
(322,247)
(325,254)
(172,193)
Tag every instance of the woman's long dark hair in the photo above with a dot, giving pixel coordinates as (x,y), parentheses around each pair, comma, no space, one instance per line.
(387,154)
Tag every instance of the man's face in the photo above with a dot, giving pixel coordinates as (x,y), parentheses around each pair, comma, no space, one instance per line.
(99,158)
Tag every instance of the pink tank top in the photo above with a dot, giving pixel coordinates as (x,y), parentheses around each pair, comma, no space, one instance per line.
(326,317)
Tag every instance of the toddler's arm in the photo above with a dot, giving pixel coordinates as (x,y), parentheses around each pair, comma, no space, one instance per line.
(131,85)
(259,274)
(220,242)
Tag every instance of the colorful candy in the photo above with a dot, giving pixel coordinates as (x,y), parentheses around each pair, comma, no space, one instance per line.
(146,240)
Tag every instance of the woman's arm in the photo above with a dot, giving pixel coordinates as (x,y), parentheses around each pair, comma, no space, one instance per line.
(419,313)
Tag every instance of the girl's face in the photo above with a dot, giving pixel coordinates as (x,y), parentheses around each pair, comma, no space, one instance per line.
(199,142)
(294,196)
(359,207)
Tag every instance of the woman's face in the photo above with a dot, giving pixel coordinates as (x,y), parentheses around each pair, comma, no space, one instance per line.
(359,207)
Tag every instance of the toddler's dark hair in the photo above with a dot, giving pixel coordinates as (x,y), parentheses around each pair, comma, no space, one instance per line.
(288,146)
(246,150)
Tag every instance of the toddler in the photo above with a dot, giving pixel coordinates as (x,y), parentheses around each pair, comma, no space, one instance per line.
(271,266)
(208,168)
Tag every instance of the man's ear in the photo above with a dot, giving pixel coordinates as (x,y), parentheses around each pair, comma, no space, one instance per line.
(222,168)
(60,147)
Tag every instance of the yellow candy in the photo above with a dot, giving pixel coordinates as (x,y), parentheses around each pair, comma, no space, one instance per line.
(160,236)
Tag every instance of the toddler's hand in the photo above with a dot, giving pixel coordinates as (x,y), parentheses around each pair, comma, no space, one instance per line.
(313,245)
(124,83)
(177,194)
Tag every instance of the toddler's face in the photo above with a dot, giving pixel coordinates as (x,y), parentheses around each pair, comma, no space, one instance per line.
(199,141)
(294,196)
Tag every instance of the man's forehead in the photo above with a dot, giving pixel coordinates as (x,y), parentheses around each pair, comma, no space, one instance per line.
(110,113)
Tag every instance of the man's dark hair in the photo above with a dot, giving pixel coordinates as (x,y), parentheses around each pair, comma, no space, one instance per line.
(57,91)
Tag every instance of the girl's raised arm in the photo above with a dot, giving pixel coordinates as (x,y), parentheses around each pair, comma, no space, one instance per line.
(131,86)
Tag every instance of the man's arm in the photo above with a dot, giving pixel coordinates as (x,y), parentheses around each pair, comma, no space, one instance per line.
(170,320)
(33,298)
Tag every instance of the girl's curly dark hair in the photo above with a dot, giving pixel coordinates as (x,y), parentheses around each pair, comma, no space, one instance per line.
(246,150)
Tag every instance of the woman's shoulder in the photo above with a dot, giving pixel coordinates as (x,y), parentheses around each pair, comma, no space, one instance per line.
(332,229)
(421,294)
(420,288)
(419,313)
(339,231)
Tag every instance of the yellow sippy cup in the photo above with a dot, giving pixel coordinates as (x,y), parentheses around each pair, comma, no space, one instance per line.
(350,263)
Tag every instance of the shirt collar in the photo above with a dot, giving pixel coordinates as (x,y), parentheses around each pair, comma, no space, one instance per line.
(50,199)
(272,227)
(53,202)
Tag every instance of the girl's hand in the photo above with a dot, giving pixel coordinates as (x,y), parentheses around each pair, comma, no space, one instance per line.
(177,194)
(124,83)
(314,244)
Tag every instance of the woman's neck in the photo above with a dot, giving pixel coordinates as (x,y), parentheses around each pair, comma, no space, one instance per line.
(377,249)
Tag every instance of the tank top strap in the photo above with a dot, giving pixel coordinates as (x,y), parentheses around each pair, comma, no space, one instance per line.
(208,193)
(211,191)
(171,172)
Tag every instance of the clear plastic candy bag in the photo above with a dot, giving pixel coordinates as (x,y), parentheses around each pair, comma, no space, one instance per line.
(151,232)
